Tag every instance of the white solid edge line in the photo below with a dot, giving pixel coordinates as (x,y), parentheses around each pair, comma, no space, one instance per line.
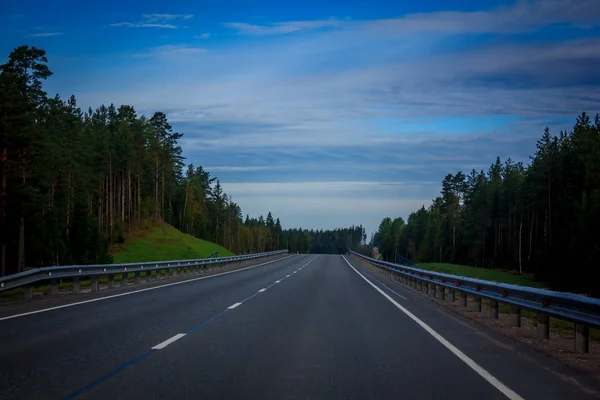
(505,390)
(231,307)
(287,276)
(168,341)
(138,291)
(277,281)
(262,290)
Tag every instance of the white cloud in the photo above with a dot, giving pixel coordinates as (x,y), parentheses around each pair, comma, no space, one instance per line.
(285,189)
(281,27)
(165,21)
(45,34)
(162,17)
(144,25)
(303,96)
(243,168)
(203,36)
(171,50)
(519,17)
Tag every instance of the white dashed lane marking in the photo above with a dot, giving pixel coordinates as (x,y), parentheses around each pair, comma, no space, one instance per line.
(168,341)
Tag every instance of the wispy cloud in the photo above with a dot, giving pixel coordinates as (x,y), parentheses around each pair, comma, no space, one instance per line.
(369,115)
(45,34)
(144,25)
(243,168)
(203,36)
(166,17)
(165,21)
(520,17)
(280,27)
(171,50)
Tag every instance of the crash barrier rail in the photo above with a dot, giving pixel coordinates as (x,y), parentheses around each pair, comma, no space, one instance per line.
(583,311)
(33,276)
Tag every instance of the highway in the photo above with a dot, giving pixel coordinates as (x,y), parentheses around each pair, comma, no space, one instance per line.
(302,327)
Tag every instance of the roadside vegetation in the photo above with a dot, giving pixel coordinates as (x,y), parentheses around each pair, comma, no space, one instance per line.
(77,183)
(481,273)
(163,242)
(538,219)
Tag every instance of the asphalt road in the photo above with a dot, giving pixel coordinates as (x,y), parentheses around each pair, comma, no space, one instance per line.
(304,327)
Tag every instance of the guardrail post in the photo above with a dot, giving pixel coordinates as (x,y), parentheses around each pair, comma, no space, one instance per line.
(442,291)
(582,338)
(432,290)
(111,281)
(452,295)
(515,316)
(543,326)
(76,284)
(94,285)
(28,291)
(125,279)
(137,277)
(464,299)
(477,300)
(420,286)
(53,286)
(494,309)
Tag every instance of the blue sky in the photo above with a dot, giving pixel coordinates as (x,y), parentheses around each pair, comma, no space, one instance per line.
(328,113)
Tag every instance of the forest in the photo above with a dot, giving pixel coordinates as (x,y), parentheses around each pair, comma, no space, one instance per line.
(336,241)
(541,218)
(74,182)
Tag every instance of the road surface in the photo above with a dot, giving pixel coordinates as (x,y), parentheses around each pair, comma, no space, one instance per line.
(304,327)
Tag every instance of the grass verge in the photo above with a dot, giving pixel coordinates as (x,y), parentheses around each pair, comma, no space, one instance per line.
(493,275)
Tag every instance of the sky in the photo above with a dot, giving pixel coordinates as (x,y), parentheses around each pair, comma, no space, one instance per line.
(328,114)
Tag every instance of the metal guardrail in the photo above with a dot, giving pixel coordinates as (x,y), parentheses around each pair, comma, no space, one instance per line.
(75,272)
(583,311)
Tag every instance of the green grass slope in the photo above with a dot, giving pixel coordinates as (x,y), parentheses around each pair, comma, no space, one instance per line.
(481,273)
(162,242)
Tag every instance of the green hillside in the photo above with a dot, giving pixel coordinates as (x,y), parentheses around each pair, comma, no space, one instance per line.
(162,242)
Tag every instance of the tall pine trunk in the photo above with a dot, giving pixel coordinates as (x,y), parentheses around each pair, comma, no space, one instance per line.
(520,241)
(21,247)
(156,198)
(129,199)
(122,202)
(3,224)
(110,198)
(139,198)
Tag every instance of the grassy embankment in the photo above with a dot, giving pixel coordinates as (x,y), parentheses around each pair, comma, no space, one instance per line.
(160,242)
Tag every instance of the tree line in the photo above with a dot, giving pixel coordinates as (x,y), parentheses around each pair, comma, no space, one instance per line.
(540,218)
(73,182)
(336,241)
